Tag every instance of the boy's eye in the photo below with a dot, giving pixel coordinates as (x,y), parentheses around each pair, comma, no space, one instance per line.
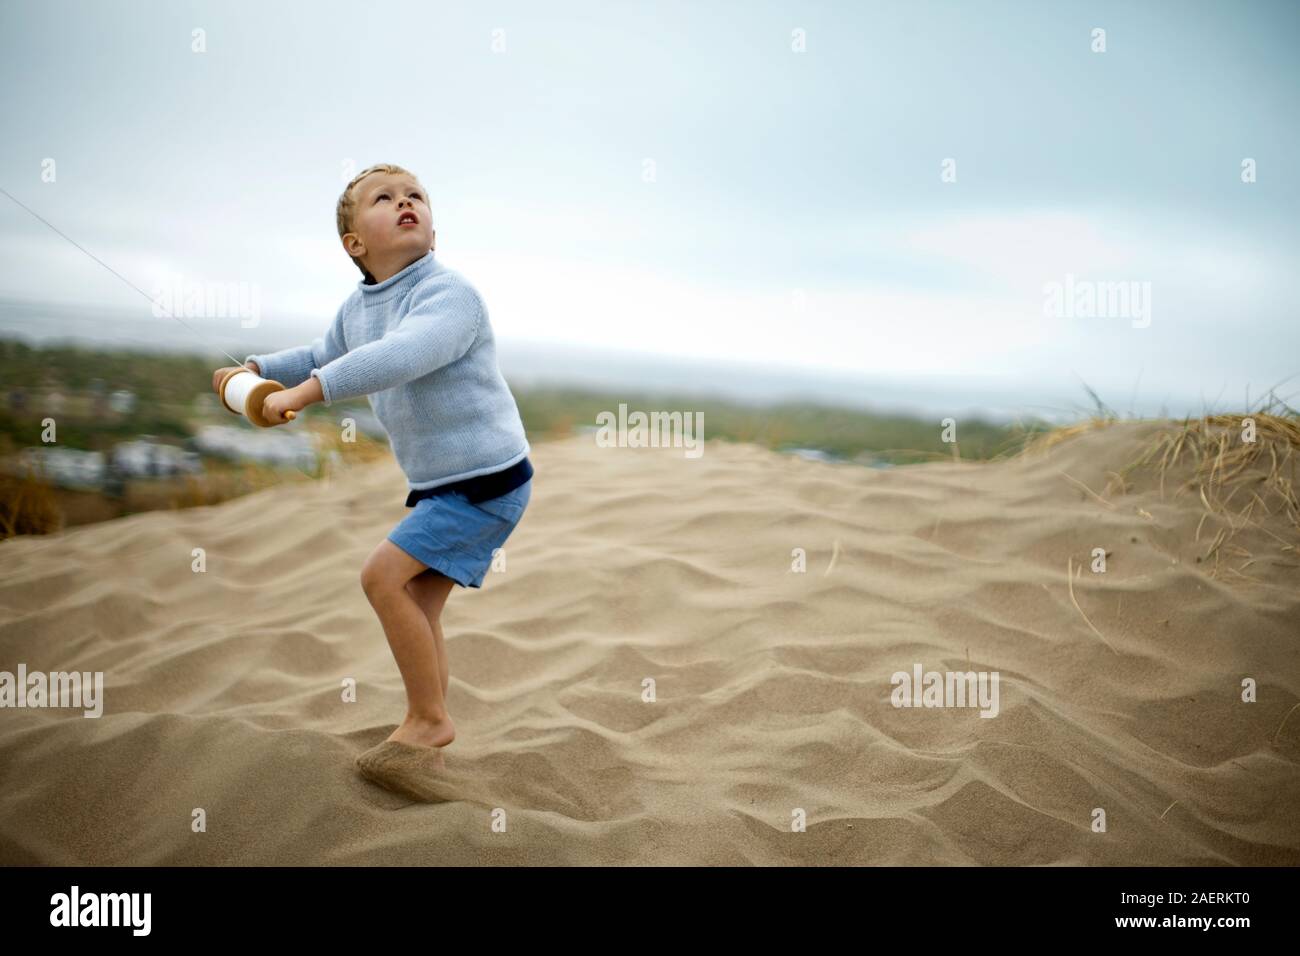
(417,196)
(381,196)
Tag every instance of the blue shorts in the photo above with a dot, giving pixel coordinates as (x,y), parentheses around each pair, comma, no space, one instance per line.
(457,538)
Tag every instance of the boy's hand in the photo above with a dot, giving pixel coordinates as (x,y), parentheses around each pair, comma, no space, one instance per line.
(221,373)
(291,400)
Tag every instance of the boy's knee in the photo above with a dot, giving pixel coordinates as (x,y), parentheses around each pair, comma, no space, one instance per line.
(374,579)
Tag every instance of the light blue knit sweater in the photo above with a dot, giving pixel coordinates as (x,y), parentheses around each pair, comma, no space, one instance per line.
(419,344)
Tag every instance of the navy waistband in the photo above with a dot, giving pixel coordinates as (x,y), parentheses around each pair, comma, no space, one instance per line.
(481,487)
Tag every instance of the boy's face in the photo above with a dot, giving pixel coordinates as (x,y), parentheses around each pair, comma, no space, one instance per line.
(392,225)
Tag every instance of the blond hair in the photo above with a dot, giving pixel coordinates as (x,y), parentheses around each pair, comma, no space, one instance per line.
(348,204)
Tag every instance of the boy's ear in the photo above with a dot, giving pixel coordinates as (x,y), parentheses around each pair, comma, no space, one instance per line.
(355,248)
(433,240)
(353,245)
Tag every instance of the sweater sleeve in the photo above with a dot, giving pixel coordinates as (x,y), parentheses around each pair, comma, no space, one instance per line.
(293,366)
(440,326)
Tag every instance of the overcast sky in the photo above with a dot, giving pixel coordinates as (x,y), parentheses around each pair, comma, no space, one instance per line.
(796,213)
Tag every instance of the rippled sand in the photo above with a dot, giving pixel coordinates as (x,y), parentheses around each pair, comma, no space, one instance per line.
(772,687)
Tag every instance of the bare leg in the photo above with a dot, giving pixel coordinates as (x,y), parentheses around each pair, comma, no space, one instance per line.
(384,578)
(430,591)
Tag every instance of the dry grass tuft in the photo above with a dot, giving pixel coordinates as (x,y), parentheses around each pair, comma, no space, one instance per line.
(1242,468)
(27,506)
(1230,475)
(1037,442)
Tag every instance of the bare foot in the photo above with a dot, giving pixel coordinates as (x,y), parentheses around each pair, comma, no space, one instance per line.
(417,772)
(419,732)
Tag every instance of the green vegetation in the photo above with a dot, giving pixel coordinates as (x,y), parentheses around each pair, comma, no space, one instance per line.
(154,377)
(842,432)
(173,398)
(166,385)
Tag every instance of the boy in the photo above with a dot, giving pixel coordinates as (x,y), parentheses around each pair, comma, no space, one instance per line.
(415,338)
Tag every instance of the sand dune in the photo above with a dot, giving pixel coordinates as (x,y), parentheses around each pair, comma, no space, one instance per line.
(773,688)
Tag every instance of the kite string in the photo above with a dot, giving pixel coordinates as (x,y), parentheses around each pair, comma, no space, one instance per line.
(120,276)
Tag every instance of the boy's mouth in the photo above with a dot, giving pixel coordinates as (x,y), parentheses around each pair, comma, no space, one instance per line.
(408,219)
